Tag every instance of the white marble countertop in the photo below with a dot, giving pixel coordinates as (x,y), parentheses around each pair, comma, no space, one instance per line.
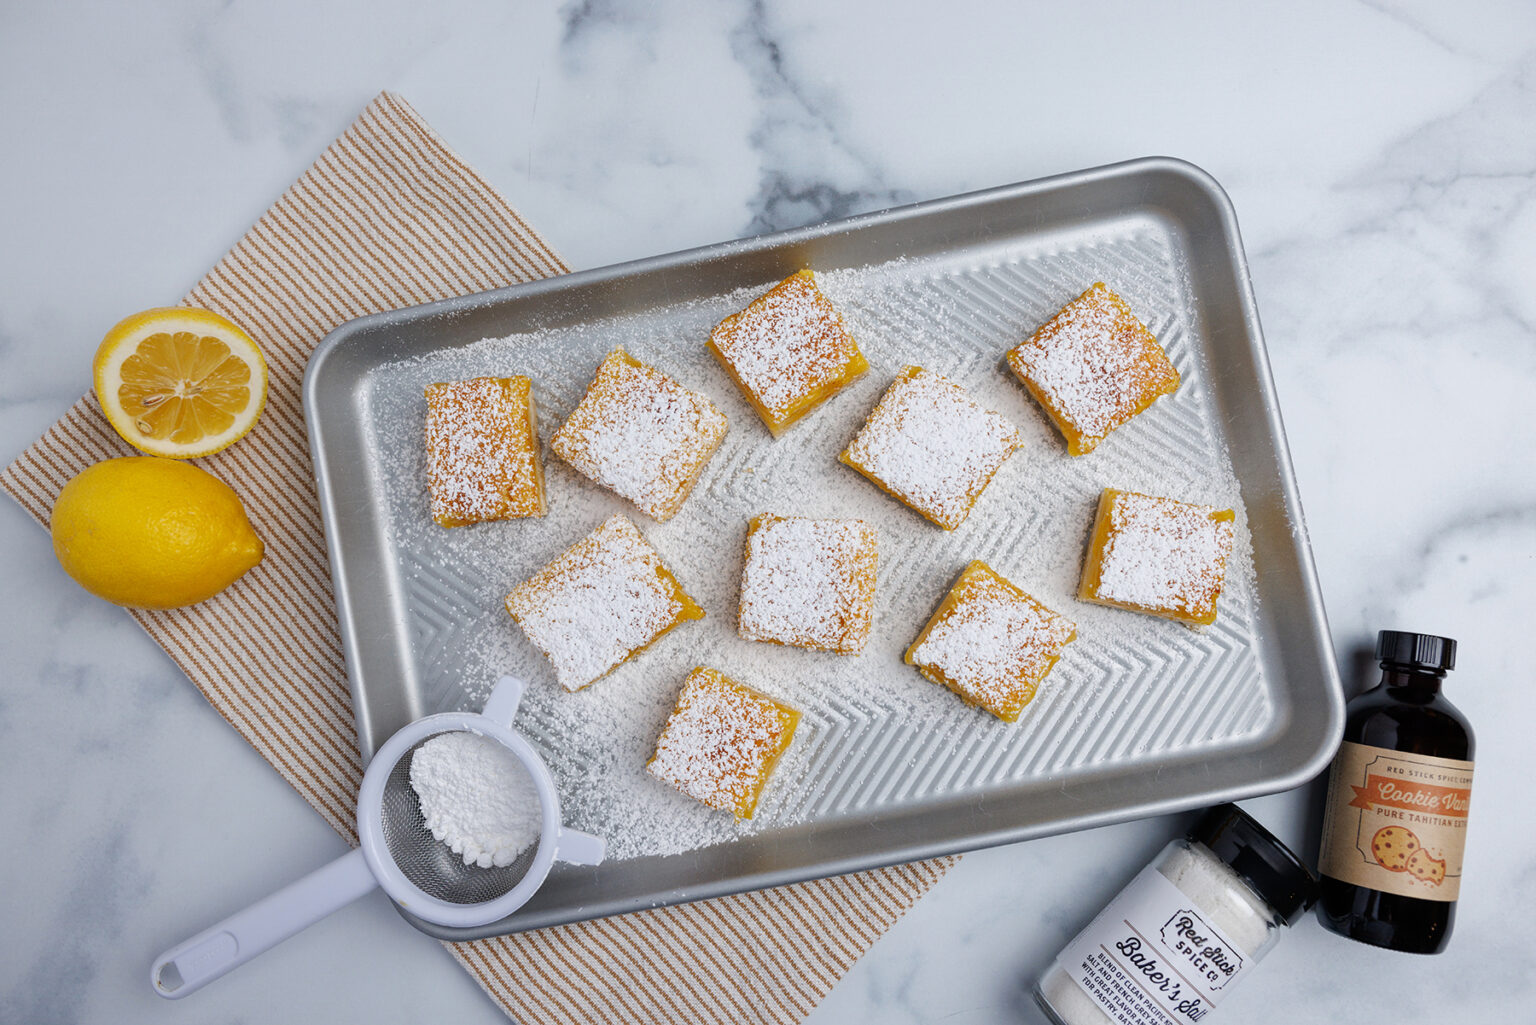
(1382,159)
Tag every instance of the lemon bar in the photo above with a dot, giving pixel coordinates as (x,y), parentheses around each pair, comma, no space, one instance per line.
(931,446)
(990,643)
(483,451)
(721,742)
(808,583)
(787,351)
(600,602)
(1093,367)
(641,435)
(1157,555)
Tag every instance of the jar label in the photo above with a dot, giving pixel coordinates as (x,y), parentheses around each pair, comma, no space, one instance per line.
(1152,957)
(1396,822)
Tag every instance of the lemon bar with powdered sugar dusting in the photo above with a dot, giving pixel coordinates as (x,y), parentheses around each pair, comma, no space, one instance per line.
(483,451)
(641,435)
(808,583)
(600,602)
(930,445)
(990,643)
(1157,555)
(1092,367)
(721,742)
(788,351)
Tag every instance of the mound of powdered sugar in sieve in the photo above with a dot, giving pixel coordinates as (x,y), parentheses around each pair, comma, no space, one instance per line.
(476,798)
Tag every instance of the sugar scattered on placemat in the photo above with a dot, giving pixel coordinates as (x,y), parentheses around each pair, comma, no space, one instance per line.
(1032,527)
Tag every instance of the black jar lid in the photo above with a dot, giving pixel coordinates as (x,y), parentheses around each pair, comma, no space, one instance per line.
(1416,651)
(1264,863)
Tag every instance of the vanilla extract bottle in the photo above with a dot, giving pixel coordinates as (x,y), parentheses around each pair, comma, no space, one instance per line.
(1396,820)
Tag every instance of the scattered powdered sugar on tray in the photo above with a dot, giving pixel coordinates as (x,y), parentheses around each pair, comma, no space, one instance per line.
(874,734)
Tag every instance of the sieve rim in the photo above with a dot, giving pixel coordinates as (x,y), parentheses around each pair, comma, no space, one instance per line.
(370,824)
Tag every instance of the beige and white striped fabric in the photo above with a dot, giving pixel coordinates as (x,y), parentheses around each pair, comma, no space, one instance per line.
(390,217)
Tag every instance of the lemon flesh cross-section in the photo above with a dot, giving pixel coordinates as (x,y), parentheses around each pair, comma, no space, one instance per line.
(180,382)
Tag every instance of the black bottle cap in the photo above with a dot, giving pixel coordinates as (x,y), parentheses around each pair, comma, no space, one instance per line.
(1263,862)
(1416,651)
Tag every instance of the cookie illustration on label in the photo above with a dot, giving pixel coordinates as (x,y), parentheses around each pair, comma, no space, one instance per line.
(1392,846)
(1426,869)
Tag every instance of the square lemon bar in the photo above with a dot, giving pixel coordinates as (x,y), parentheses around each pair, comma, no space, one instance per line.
(721,742)
(990,643)
(808,583)
(1093,366)
(600,602)
(1157,555)
(787,351)
(483,451)
(641,435)
(931,446)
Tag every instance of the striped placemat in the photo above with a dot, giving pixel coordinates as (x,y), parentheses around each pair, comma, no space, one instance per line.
(388,217)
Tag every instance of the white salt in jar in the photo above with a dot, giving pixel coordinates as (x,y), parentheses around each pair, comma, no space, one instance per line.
(1184,931)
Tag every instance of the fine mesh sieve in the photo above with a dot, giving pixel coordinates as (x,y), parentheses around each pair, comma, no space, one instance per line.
(429,863)
(398,853)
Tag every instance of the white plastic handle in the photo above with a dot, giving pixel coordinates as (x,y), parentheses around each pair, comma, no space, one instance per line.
(578,848)
(501,706)
(219,950)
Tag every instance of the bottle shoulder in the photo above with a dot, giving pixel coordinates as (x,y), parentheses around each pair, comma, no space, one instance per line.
(1419,724)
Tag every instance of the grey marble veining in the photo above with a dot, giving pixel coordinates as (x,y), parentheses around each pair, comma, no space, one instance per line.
(1382,158)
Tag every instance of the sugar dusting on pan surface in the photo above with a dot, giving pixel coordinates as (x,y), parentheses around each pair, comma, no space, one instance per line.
(874,733)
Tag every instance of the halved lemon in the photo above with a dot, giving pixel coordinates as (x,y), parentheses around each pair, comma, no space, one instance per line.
(180,382)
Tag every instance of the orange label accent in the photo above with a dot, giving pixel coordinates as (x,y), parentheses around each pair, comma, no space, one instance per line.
(1395,793)
(1396,822)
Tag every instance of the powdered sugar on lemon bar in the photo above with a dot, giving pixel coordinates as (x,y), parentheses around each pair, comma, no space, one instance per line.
(1093,367)
(721,742)
(601,601)
(483,451)
(788,351)
(1158,555)
(809,583)
(990,643)
(640,434)
(932,446)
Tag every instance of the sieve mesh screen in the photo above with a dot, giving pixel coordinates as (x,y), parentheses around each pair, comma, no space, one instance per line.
(427,862)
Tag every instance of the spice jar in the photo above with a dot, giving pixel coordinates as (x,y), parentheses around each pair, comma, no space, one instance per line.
(1184,931)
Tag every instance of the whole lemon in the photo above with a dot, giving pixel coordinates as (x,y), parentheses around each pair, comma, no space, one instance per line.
(152,533)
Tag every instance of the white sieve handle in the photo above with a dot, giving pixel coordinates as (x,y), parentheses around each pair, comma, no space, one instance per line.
(215,952)
(578,848)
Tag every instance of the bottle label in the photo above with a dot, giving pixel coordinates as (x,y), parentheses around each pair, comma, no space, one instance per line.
(1152,957)
(1396,822)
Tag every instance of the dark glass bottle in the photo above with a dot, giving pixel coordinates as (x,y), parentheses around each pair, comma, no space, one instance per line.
(1397,804)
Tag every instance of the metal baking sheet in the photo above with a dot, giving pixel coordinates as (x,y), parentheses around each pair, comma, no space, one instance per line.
(1249,706)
